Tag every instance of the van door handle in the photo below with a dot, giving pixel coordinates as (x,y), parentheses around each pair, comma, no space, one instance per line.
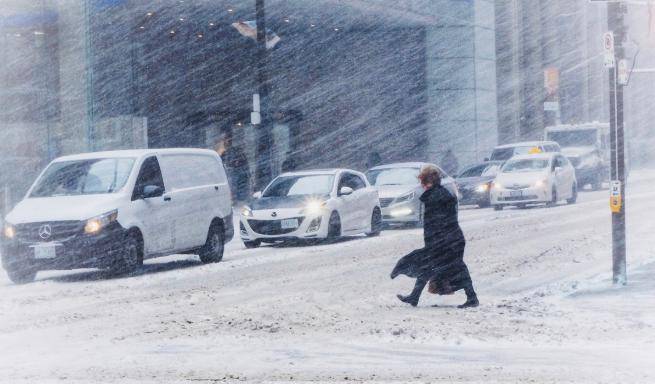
(167,198)
(216,187)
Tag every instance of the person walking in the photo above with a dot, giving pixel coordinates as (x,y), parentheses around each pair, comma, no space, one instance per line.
(441,261)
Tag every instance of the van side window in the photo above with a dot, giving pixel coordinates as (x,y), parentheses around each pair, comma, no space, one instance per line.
(188,171)
(149,174)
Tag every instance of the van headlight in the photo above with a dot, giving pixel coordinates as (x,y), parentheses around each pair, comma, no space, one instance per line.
(96,224)
(9,231)
(246,212)
(404,198)
(482,188)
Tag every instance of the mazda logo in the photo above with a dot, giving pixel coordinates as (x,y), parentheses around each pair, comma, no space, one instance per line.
(274,214)
(45,231)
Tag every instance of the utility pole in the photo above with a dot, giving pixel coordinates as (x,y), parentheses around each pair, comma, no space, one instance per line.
(616,24)
(263,130)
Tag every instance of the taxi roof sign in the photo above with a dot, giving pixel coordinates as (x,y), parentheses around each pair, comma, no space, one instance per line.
(534,150)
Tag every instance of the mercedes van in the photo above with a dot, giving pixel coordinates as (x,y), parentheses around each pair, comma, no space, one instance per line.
(115,209)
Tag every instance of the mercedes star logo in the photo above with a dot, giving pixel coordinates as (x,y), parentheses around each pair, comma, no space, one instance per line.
(45,231)
(274,214)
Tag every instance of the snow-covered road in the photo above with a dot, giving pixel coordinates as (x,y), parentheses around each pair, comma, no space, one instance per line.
(329,312)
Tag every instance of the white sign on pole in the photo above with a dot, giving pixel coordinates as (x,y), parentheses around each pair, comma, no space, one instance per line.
(623,72)
(255,102)
(608,49)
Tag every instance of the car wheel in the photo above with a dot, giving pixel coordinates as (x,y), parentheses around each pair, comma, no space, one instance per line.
(130,257)
(376,223)
(334,227)
(212,251)
(22,275)
(498,207)
(521,206)
(574,195)
(252,244)
(554,198)
(484,204)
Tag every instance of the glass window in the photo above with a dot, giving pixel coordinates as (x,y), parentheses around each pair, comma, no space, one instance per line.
(300,185)
(150,174)
(83,177)
(577,138)
(474,171)
(393,176)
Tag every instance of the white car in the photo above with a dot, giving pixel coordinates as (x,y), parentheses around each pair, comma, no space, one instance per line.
(319,204)
(400,191)
(532,179)
(114,209)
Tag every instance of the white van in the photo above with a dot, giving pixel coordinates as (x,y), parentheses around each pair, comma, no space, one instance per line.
(115,209)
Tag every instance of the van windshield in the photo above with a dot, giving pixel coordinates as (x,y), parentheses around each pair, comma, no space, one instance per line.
(83,177)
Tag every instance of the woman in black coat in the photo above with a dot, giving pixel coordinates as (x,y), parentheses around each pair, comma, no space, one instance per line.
(442,259)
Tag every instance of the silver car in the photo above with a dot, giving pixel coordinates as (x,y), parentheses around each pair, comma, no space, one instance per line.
(400,190)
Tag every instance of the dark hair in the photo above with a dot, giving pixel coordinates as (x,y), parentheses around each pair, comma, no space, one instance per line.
(430,175)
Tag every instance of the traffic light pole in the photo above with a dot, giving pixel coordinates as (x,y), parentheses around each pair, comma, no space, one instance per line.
(615,12)
(262,130)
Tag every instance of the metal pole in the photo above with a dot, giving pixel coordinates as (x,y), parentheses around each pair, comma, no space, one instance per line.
(615,24)
(88,51)
(263,130)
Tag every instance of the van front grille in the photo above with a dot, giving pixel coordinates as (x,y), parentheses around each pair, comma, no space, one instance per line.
(48,231)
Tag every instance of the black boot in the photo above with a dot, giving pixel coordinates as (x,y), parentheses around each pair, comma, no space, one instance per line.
(471,298)
(413,297)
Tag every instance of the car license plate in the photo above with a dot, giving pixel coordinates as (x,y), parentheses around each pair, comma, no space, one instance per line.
(516,193)
(45,251)
(289,223)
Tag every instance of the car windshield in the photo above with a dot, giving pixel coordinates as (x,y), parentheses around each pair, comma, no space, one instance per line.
(393,176)
(579,138)
(525,165)
(301,185)
(83,177)
(475,171)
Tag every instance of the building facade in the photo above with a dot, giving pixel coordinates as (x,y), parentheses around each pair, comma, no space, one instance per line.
(406,79)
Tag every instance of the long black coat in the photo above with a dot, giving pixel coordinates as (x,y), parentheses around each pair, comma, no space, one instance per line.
(442,258)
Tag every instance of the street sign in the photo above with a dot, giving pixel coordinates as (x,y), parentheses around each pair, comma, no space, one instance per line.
(608,49)
(622,70)
(615,196)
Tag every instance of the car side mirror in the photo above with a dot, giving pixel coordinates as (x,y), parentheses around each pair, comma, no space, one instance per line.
(345,191)
(486,159)
(150,191)
(257,195)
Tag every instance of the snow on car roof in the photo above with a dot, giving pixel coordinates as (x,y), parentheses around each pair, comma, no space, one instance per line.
(134,153)
(415,164)
(526,144)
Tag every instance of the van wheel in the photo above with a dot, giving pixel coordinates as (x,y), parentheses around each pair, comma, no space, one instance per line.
(21,275)
(334,227)
(574,195)
(376,223)
(252,244)
(130,257)
(212,251)
(498,207)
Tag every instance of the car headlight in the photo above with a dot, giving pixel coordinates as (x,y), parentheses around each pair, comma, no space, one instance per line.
(246,212)
(313,207)
(9,231)
(497,185)
(96,224)
(404,198)
(482,188)
(540,183)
